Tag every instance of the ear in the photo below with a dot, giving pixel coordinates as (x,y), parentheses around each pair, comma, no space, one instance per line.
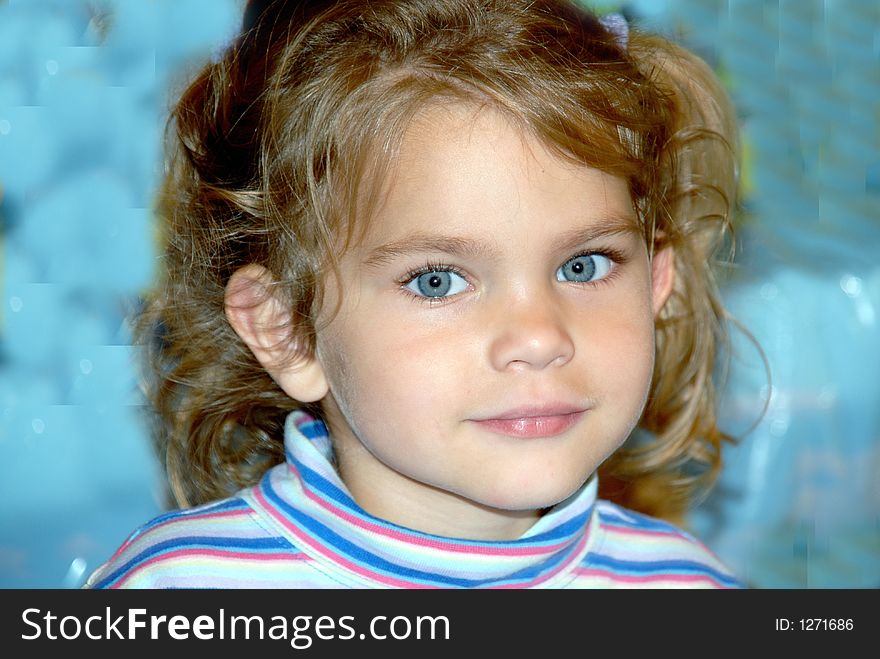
(263,322)
(662,277)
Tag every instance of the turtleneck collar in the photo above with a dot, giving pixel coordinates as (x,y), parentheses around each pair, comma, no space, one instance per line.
(309,503)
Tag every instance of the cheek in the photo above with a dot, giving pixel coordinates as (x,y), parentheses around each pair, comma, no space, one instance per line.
(620,353)
(386,371)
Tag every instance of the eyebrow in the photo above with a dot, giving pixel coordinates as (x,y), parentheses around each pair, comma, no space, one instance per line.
(420,242)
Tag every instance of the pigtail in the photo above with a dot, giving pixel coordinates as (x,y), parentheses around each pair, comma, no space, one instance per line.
(680,456)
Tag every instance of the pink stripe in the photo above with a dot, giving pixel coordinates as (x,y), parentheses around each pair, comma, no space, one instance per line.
(336,558)
(680,578)
(372,527)
(215,553)
(563,566)
(194,516)
(667,534)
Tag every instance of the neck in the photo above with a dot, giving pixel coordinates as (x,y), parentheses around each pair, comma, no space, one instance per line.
(406,503)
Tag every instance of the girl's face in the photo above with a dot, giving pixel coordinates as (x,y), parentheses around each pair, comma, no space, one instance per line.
(495,340)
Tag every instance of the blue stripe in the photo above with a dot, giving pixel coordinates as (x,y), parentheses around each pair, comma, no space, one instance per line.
(196,542)
(314,430)
(331,491)
(632,520)
(330,538)
(666,568)
(221,506)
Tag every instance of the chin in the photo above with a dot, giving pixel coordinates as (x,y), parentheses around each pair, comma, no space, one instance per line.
(532,496)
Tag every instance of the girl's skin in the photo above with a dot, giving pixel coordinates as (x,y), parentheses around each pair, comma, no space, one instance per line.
(470,379)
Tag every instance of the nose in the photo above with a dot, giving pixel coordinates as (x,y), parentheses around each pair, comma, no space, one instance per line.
(530,335)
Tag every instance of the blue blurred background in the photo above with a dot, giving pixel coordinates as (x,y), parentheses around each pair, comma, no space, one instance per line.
(84,88)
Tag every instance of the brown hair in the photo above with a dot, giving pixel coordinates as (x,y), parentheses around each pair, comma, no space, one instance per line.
(272,144)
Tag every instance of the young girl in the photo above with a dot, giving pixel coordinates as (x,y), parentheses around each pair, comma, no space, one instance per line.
(428,266)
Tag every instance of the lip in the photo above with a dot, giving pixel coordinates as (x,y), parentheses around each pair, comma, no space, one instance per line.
(533,422)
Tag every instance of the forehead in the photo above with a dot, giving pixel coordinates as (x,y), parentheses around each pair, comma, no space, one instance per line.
(468,169)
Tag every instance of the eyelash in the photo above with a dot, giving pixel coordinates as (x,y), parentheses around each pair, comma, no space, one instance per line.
(617,258)
(430,266)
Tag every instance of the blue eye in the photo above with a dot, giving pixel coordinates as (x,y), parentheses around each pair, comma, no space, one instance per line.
(437,283)
(584,268)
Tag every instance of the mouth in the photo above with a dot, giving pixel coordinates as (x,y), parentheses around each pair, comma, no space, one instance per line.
(529,423)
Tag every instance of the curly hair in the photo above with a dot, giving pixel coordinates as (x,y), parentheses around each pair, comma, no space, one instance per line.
(274,142)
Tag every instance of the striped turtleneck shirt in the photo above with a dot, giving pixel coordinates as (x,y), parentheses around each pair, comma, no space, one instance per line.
(299,527)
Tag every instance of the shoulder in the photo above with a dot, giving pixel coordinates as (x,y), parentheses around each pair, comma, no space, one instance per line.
(217,545)
(635,550)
